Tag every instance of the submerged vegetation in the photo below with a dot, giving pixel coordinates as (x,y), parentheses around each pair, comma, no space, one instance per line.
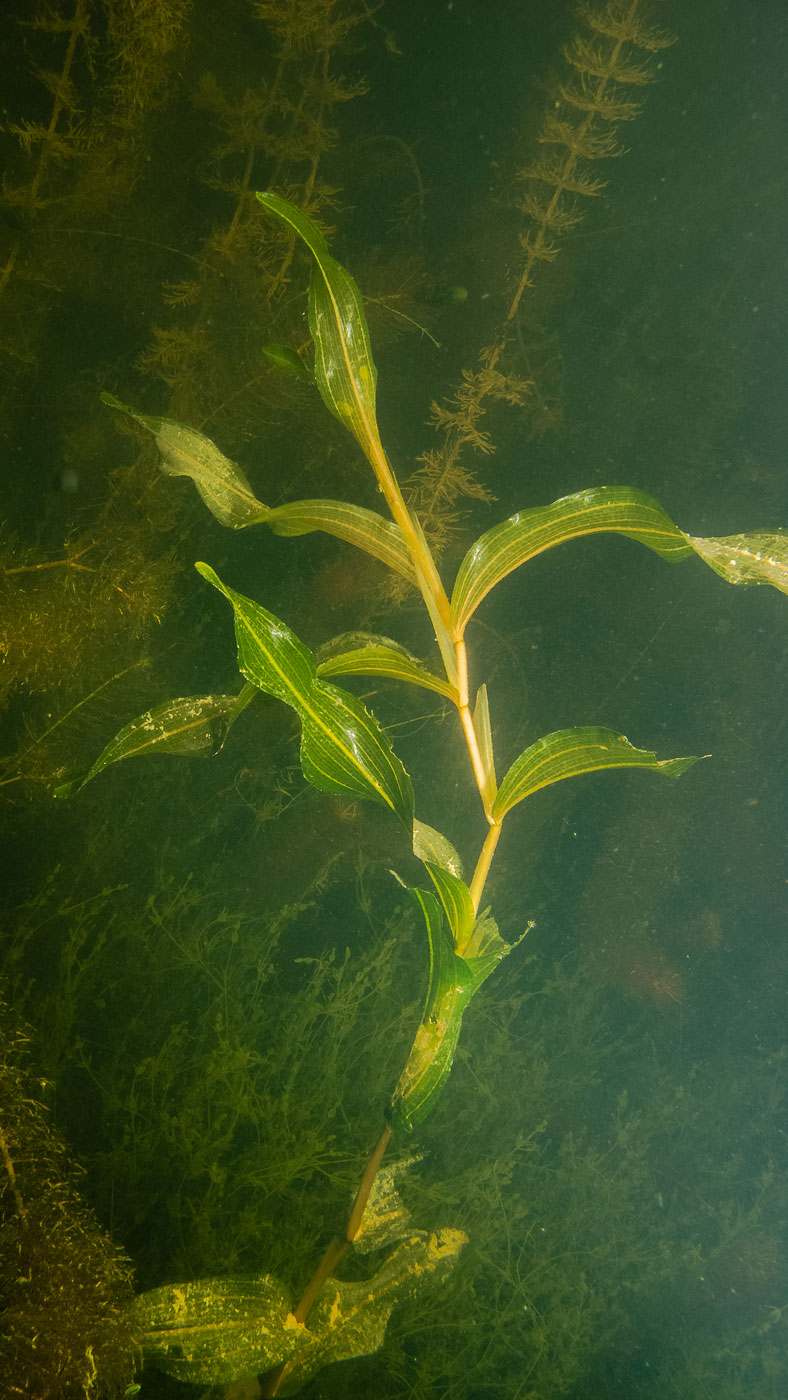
(222,980)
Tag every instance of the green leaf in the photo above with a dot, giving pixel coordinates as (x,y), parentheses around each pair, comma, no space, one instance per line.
(377,656)
(185,452)
(226,492)
(349,1318)
(486,948)
(189,725)
(758,557)
(358,526)
(453,981)
(386,1218)
(530,532)
(343,748)
(430,846)
(455,897)
(568,752)
(212,1331)
(482,728)
(432,1054)
(344,368)
(288,361)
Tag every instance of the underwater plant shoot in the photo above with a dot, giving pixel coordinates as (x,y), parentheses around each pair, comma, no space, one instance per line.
(402,1025)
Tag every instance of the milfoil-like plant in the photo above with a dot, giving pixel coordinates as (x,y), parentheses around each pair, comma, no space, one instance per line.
(216,1331)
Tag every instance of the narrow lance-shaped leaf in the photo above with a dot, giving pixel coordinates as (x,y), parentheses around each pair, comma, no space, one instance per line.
(448,992)
(360,527)
(376,656)
(760,556)
(482,728)
(756,557)
(499,551)
(453,981)
(455,897)
(186,452)
(343,748)
(344,369)
(191,724)
(568,752)
(227,494)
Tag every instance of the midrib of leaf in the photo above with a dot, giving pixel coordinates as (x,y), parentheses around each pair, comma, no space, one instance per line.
(370,429)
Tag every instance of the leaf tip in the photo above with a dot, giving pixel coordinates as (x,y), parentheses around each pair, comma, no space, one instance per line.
(205,571)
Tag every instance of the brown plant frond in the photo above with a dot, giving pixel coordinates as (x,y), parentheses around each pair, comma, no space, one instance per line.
(309,26)
(593,60)
(142,42)
(626,27)
(587,97)
(58,145)
(181,293)
(174,352)
(601,71)
(462,413)
(505,388)
(546,214)
(443,480)
(61,85)
(577,130)
(581,141)
(563,174)
(243,123)
(536,250)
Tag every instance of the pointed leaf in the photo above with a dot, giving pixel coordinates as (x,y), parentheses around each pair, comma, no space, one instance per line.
(379,658)
(345,751)
(758,557)
(455,897)
(453,981)
(344,368)
(568,752)
(483,731)
(226,492)
(358,526)
(185,452)
(189,725)
(343,748)
(432,1054)
(429,845)
(288,361)
(530,532)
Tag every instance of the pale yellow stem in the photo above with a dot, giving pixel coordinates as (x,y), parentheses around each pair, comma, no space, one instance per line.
(480,875)
(466,720)
(426,568)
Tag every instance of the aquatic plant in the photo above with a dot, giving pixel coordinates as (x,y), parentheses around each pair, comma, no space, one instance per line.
(345,751)
(81,579)
(65,1288)
(169,1034)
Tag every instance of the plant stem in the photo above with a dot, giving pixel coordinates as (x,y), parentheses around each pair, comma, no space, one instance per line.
(335,1252)
(426,568)
(466,719)
(480,876)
